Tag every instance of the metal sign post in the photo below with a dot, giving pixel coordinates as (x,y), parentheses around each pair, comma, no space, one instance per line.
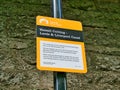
(59,77)
(60,41)
(56,9)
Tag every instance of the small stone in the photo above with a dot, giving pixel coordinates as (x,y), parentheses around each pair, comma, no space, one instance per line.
(18,45)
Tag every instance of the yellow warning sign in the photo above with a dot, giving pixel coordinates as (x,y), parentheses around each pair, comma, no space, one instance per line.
(60,45)
(61,55)
(59,23)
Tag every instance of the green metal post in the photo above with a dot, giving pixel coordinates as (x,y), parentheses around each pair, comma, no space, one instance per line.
(60,82)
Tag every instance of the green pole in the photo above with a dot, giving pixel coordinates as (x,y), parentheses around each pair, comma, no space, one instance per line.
(60,81)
